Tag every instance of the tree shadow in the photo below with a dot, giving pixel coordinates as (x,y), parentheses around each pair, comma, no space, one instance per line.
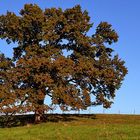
(22,120)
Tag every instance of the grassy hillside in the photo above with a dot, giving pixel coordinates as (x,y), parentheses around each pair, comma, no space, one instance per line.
(78,127)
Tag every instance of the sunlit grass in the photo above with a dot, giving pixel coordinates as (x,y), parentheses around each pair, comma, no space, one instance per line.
(101,127)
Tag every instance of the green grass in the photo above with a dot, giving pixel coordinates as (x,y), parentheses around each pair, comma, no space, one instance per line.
(101,127)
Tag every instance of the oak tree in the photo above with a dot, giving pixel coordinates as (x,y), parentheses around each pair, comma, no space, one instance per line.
(55,58)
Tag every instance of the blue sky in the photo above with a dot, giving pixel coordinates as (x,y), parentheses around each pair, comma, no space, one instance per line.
(125,19)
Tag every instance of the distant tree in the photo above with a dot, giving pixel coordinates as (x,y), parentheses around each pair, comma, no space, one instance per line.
(56,58)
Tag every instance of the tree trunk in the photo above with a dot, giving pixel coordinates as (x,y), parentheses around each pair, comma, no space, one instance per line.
(39,112)
(39,116)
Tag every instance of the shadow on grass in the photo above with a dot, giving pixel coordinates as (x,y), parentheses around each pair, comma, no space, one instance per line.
(22,120)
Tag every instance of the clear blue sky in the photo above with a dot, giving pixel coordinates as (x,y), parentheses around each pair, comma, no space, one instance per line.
(125,18)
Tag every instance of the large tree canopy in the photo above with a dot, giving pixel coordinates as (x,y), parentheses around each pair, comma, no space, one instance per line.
(56,58)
